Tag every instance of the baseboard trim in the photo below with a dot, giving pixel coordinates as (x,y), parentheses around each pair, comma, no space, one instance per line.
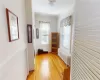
(30,72)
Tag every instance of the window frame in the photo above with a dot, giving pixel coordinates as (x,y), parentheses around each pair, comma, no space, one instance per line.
(66,22)
(41,22)
(62,35)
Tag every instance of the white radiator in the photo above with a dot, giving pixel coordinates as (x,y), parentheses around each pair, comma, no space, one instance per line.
(65,56)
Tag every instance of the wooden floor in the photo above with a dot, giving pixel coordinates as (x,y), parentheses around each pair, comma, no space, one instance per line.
(49,67)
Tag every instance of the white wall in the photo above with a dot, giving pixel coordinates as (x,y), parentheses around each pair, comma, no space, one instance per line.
(30,20)
(13,54)
(86,52)
(47,18)
(53,28)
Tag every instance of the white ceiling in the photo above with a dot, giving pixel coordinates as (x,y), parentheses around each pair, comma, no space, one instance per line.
(60,6)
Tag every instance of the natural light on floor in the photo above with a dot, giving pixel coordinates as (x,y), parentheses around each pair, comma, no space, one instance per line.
(45,68)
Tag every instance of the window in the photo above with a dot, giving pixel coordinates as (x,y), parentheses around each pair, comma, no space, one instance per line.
(66,32)
(44,32)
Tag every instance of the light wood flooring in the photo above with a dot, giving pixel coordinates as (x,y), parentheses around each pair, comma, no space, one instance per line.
(49,67)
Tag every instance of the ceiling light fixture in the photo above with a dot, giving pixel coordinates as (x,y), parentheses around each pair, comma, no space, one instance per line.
(51,2)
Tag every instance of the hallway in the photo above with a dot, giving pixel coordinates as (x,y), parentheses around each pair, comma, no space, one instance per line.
(49,67)
(69,28)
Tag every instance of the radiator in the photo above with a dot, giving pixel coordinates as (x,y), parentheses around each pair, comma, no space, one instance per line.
(65,56)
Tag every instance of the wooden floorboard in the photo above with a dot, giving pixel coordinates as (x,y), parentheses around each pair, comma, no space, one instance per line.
(49,67)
